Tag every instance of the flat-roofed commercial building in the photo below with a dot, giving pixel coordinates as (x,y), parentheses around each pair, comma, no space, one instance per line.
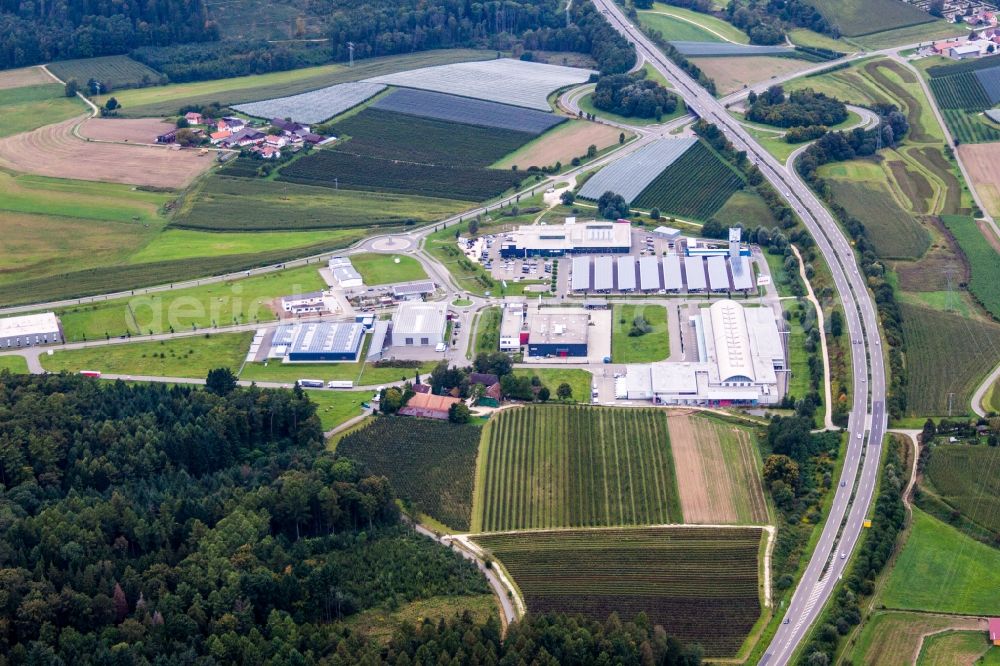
(740,354)
(513,334)
(570,238)
(626,273)
(554,333)
(718,277)
(581,274)
(694,270)
(649,273)
(604,274)
(344,273)
(672,280)
(30,330)
(304,343)
(419,324)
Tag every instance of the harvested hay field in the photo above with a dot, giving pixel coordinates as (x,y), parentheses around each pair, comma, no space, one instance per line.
(25,76)
(561,144)
(980,161)
(54,151)
(731,74)
(931,272)
(132,130)
(717,472)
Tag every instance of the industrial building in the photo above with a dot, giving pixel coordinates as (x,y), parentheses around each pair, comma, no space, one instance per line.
(419,324)
(555,333)
(626,273)
(698,274)
(740,355)
(30,330)
(513,333)
(344,273)
(540,240)
(305,343)
(667,233)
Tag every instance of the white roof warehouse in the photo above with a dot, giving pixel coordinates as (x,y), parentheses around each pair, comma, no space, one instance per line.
(740,354)
(29,330)
(569,238)
(419,324)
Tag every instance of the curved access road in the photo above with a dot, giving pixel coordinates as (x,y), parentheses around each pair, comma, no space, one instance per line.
(867,419)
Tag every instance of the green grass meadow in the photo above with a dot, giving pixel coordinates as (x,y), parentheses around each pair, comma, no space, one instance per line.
(215,304)
(31,107)
(379,269)
(941,569)
(189,357)
(335,407)
(579,380)
(647,348)
(16,364)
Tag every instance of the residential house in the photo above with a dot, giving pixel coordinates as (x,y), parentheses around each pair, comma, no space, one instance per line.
(276,141)
(233,123)
(269,152)
(218,137)
(245,137)
(429,406)
(194,118)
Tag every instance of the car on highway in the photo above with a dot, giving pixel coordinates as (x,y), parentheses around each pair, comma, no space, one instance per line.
(843,556)
(860,435)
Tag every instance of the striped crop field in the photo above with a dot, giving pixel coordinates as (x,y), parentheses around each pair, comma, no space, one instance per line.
(575,466)
(700,583)
(696,185)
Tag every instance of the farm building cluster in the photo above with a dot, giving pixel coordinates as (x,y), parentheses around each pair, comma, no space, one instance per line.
(265,140)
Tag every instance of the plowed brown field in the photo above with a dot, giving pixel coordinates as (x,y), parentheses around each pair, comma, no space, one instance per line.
(54,151)
(26,76)
(136,130)
(981,161)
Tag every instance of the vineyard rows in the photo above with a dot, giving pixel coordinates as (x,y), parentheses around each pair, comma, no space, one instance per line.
(328,168)
(960,91)
(965,478)
(575,466)
(116,72)
(430,464)
(468,111)
(700,584)
(396,136)
(967,128)
(696,185)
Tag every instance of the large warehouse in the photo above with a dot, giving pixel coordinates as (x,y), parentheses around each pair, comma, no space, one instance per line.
(30,330)
(304,343)
(419,324)
(573,237)
(555,333)
(740,354)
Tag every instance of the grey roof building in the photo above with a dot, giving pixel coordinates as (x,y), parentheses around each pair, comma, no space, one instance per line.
(29,330)
(340,341)
(419,324)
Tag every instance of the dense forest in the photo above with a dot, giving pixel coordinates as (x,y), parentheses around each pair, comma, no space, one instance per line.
(169,35)
(633,96)
(151,524)
(147,523)
(34,32)
(800,108)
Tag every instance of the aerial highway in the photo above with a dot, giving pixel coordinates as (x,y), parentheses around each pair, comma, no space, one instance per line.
(867,421)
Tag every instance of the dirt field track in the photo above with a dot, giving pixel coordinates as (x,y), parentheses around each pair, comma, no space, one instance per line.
(26,76)
(562,144)
(54,151)
(716,472)
(980,160)
(730,74)
(136,130)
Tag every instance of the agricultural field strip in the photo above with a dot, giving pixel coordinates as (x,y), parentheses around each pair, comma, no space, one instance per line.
(114,71)
(503,80)
(700,583)
(708,49)
(543,467)
(316,106)
(440,106)
(696,185)
(856,18)
(631,175)
(966,478)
